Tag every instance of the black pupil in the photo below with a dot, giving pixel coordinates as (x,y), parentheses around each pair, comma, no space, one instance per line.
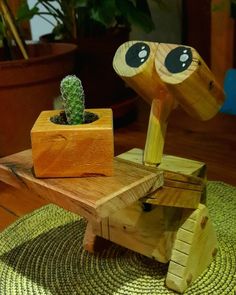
(178,59)
(137,54)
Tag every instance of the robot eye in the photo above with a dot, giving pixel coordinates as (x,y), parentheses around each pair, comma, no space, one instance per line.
(178,59)
(137,54)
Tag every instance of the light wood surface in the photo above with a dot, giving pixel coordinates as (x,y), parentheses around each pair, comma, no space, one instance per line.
(193,250)
(91,197)
(157,126)
(150,233)
(142,79)
(195,88)
(180,235)
(184,184)
(73,150)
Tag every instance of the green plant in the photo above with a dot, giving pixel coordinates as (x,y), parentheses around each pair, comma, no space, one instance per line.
(78,18)
(73,99)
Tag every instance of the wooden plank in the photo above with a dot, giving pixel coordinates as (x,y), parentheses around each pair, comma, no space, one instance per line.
(89,238)
(170,163)
(157,125)
(179,190)
(150,233)
(193,250)
(176,197)
(92,197)
(183,185)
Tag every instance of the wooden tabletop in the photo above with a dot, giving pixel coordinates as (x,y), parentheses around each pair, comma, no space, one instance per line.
(91,197)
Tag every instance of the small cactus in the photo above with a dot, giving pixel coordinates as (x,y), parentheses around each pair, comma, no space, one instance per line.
(73,99)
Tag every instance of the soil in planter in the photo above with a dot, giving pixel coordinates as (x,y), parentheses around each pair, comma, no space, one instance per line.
(61,118)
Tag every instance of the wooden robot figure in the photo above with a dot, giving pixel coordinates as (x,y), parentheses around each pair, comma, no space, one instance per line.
(177,228)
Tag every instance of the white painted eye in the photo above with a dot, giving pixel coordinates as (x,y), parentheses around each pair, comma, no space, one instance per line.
(185,51)
(142,60)
(143,47)
(184,57)
(183,65)
(142,54)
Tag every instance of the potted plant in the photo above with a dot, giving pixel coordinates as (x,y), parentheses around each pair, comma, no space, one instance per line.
(99,28)
(74,142)
(28,85)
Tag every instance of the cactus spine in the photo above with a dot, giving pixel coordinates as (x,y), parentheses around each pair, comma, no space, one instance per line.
(73,99)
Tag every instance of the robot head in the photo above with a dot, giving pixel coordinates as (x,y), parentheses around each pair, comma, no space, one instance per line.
(153,68)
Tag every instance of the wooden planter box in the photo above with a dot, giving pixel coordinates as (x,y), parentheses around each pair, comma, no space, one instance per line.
(73,150)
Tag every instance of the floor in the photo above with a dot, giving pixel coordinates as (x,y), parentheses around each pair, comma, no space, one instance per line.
(213,142)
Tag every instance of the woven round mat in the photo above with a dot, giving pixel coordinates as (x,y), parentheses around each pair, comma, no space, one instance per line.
(42,253)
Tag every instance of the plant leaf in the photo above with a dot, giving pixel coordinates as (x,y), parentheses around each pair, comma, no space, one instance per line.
(104,12)
(26,13)
(79,3)
(135,15)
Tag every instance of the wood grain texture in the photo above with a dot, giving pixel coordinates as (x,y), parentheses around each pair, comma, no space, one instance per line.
(174,167)
(195,88)
(147,83)
(143,79)
(91,197)
(193,250)
(179,189)
(73,150)
(212,142)
(150,233)
(176,197)
(157,125)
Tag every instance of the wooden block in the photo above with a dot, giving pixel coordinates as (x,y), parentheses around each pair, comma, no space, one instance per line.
(91,197)
(169,163)
(89,238)
(157,125)
(140,75)
(151,232)
(189,80)
(176,197)
(73,150)
(92,242)
(193,249)
(179,190)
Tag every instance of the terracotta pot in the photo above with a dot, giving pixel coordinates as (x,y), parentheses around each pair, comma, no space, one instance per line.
(28,87)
